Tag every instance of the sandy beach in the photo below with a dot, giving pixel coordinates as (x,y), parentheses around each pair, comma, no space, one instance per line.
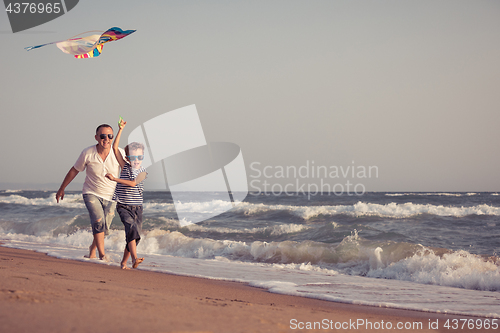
(40,293)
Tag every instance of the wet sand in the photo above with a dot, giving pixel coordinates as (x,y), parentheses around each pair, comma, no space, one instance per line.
(39,293)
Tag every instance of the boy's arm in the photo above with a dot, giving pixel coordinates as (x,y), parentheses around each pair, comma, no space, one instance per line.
(130,183)
(140,177)
(118,155)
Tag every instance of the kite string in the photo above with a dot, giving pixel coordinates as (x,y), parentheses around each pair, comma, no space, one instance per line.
(87,32)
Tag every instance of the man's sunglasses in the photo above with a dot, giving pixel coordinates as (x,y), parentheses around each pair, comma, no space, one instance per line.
(133,157)
(103,136)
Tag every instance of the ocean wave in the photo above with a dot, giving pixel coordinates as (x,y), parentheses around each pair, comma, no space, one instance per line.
(360,209)
(43,227)
(274,230)
(446,194)
(390,210)
(355,256)
(457,269)
(70,200)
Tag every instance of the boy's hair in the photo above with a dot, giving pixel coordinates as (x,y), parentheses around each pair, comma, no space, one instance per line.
(133,146)
(100,126)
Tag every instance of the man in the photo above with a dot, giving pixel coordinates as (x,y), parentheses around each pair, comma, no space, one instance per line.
(98,190)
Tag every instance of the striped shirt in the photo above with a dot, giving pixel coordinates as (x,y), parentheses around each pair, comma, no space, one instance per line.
(129,195)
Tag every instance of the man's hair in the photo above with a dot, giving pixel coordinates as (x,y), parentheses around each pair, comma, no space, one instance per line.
(100,126)
(133,146)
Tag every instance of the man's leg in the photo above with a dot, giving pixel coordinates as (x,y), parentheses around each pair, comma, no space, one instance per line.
(99,242)
(92,249)
(97,211)
(109,213)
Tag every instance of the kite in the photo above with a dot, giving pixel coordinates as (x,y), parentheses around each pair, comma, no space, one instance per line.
(90,46)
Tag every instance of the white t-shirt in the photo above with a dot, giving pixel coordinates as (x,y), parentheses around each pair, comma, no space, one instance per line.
(96,182)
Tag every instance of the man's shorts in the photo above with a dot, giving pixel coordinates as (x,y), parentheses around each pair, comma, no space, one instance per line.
(131,216)
(99,209)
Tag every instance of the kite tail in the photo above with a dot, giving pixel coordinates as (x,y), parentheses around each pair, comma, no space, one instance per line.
(29,48)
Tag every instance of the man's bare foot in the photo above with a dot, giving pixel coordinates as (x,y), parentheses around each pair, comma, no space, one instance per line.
(91,254)
(137,261)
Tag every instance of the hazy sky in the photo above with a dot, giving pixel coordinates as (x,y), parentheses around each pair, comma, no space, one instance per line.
(410,87)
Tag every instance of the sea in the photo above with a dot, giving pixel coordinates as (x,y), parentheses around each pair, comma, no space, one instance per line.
(432,252)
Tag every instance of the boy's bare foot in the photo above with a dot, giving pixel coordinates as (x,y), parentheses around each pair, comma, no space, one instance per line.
(124,266)
(137,261)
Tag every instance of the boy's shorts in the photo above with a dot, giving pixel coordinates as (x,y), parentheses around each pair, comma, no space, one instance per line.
(99,209)
(131,216)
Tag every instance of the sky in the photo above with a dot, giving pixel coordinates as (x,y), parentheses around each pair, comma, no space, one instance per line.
(409,88)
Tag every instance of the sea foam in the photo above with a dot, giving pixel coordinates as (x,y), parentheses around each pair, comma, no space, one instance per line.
(353,256)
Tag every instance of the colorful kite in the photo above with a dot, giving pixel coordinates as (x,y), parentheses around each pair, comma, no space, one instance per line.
(90,46)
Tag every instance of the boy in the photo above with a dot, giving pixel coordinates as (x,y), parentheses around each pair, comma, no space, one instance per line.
(128,195)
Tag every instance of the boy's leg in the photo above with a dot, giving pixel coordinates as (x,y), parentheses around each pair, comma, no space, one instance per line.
(133,244)
(130,218)
(126,255)
(132,247)
(127,219)
(135,261)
